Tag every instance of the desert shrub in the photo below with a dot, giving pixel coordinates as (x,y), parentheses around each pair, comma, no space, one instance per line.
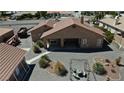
(118,60)
(60,69)
(99,69)
(46,58)
(40,43)
(36,49)
(107,60)
(43,63)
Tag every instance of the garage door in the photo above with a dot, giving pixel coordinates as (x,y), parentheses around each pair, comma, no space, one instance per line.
(71,43)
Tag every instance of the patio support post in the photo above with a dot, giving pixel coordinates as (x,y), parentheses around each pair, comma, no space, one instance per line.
(62,42)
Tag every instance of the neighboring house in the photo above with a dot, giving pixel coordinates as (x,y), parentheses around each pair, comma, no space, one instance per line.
(70,32)
(12,63)
(5,34)
(55,14)
(37,31)
(115,27)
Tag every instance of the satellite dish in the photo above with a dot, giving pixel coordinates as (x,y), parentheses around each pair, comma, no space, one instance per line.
(116,20)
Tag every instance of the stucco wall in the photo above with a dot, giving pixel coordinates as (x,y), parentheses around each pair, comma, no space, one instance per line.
(38,32)
(77,32)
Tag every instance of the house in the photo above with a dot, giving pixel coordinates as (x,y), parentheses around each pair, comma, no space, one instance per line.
(12,63)
(70,32)
(116,27)
(55,14)
(5,34)
(38,30)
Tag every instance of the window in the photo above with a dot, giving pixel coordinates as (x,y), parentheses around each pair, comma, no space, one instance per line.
(25,65)
(17,71)
(84,41)
(53,42)
(99,42)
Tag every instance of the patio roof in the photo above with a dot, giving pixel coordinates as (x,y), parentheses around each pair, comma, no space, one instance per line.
(48,23)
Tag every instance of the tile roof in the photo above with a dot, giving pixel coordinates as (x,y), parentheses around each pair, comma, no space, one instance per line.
(68,22)
(10,57)
(48,23)
(4,31)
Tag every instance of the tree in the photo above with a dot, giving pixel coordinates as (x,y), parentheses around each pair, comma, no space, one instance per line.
(40,14)
(23,16)
(109,36)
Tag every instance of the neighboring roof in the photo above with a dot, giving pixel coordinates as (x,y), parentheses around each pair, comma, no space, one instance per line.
(4,31)
(10,57)
(68,22)
(48,23)
(111,21)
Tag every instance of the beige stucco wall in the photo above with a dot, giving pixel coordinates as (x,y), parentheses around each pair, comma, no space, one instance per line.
(77,32)
(38,32)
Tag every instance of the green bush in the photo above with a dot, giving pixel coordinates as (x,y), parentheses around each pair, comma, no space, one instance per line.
(99,69)
(109,36)
(36,49)
(46,58)
(44,61)
(40,43)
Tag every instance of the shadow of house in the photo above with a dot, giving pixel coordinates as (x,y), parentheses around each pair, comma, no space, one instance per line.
(105,48)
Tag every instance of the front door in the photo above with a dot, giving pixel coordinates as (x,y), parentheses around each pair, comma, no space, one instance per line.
(55,43)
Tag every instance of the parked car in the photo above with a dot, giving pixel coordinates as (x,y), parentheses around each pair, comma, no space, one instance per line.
(79,74)
(14,41)
(23,32)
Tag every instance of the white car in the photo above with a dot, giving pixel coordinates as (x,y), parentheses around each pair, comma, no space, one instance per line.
(78,74)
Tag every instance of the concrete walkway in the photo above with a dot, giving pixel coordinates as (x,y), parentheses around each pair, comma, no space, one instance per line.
(26,49)
(37,57)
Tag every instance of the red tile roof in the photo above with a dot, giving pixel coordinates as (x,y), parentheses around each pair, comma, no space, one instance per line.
(68,22)
(48,23)
(10,57)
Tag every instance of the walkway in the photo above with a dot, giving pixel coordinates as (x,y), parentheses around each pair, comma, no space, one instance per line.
(37,57)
